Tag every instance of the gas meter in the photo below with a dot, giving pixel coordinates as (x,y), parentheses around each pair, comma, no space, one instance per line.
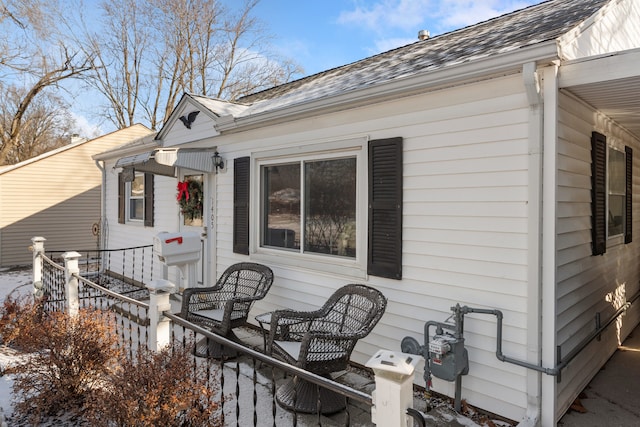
(447,356)
(444,352)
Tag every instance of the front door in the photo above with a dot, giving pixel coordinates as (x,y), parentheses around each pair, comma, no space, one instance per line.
(194,218)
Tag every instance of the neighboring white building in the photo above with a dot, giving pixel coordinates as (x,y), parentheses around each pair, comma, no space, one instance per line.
(56,195)
(455,170)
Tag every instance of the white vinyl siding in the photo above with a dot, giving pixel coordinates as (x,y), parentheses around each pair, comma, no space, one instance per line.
(465,225)
(585,280)
(134,233)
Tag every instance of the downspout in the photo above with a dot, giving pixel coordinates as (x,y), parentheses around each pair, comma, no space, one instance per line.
(103,203)
(534,249)
(549,233)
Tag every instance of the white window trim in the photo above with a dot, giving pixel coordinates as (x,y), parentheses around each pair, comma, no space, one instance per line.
(355,267)
(617,239)
(127,201)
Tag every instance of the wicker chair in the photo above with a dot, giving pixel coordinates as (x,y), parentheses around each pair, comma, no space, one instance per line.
(226,305)
(321,342)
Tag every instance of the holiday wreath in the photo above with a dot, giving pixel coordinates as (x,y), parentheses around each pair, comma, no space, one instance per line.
(190,198)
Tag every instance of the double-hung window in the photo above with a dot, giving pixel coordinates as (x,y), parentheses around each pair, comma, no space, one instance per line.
(611,194)
(135,198)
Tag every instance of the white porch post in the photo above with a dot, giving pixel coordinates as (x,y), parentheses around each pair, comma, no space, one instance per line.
(71,283)
(394,372)
(533,89)
(159,326)
(38,250)
(549,389)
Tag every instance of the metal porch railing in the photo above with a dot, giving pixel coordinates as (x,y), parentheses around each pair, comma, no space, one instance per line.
(247,383)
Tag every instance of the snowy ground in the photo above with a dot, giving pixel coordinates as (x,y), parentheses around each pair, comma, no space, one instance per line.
(14,282)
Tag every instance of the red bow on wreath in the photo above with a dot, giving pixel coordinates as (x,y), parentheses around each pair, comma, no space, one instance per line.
(183,188)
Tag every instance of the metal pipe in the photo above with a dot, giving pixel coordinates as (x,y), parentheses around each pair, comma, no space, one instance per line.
(555,371)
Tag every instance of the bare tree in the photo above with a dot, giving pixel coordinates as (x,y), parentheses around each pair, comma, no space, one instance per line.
(46,125)
(35,59)
(149,52)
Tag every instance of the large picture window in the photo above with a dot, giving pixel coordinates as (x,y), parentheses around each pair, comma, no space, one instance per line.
(334,206)
(309,206)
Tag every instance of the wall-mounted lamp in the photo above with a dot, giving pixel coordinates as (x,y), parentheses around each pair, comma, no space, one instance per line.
(217,161)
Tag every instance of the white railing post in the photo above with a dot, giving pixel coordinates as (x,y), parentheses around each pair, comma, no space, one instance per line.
(159,326)
(71,283)
(394,372)
(38,250)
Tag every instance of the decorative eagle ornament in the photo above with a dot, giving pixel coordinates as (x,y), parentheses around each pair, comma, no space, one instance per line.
(190,118)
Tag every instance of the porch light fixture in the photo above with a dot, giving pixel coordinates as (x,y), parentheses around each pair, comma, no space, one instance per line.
(217,161)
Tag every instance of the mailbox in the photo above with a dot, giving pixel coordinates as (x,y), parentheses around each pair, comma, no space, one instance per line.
(177,248)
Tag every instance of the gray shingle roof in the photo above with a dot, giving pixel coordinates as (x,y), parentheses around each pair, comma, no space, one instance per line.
(536,24)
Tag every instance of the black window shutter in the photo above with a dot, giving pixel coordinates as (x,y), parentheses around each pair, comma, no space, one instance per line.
(241,205)
(384,253)
(148,200)
(628,194)
(121,198)
(598,193)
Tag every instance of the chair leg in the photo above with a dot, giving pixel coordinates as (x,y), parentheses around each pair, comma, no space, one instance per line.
(300,395)
(212,349)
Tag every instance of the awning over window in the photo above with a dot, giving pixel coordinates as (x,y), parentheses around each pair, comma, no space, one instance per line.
(163,161)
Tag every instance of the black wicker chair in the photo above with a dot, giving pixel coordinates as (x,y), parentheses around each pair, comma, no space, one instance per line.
(321,342)
(226,305)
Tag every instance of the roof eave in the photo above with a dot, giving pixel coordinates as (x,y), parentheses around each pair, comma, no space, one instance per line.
(480,69)
(127,149)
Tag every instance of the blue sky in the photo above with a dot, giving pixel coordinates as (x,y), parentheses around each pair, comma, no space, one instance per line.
(323,34)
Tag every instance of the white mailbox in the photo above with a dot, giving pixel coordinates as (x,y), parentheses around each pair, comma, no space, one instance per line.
(177,248)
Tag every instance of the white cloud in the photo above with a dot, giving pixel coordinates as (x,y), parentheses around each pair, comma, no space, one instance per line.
(454,14)
(396,23)
(86,129)
(383,15)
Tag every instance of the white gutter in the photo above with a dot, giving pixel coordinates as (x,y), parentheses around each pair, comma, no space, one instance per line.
(147,144)
(534,225)
(103,206)
(473,70)
(549,214)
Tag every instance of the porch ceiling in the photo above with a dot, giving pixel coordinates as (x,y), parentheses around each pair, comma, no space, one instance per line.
(609,83)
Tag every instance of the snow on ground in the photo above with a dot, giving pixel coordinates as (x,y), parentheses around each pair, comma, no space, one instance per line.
(13,282)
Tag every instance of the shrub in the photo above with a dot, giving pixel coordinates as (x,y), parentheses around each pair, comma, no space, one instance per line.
(73,365)
(163,388)
(70,356)
(20,320)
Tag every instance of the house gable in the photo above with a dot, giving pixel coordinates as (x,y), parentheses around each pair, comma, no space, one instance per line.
(613,28)
(195,118)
